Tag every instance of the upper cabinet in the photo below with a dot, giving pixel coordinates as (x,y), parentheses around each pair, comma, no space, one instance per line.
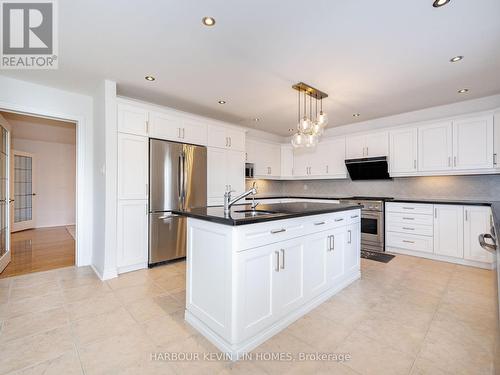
(132,167)
(435,147)
(367,145)
(333,152)
(132,119)
(225,172)
(473,143)
(225,137)
(266,158)
(403,151)
(286,161)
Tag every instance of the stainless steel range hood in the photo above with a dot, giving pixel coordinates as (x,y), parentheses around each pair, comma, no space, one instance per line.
(368,168)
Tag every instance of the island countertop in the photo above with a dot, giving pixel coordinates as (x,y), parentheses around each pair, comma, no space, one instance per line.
(278,211)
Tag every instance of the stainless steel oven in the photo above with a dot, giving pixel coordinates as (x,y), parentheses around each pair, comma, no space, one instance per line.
(372,223)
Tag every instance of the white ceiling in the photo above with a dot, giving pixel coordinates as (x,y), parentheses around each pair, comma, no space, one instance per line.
(373,57)
(40,129)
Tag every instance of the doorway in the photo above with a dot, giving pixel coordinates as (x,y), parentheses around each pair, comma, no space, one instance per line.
(40,204)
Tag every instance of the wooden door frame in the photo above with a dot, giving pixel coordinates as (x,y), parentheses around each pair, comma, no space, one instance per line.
(32,223)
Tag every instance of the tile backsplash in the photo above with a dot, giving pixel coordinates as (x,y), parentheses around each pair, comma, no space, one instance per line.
(483,187)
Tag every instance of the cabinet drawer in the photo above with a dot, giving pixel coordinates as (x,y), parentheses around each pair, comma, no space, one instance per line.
(414,208)
(422,230)
(410,242)
(353,217)
(410,219)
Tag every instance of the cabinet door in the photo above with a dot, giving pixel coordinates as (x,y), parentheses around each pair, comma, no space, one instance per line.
(449,230)
(477,221)
(165,126)
(256,270)
(236,139)
(217,136)
(132,231)
(132,167)
(335,258)
(352,254)
(435,147)
(355,147)
(288,292)
(194,132)
(251,150)
(473,143)
(235,171)
(377,144)
(301,161)
(274,160)
(496,141)
(333,152)
(132,120)
(216,172)
(403,151)
(315,262)
(286,161)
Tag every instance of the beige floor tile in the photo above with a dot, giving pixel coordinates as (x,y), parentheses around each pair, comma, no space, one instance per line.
(404,313)
(33,323)
(111,355)
(102,326)
(147,367)
(35,290)
(170,304)
(129,279)
(137,292)
(457,297)
(84,292)
(369,356)
(145,309)
(33,279)
(31,350)
(172,284)
(102,303)
(31,305)
(165,270)
(425,367)
(334,368)
(242,367)
(4,295)
(67,364)
(435,266)
(166,329)
(342,311)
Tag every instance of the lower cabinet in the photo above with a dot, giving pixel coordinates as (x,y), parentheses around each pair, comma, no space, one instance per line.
(449,230)
(352,258)
(477,220)
(132,230)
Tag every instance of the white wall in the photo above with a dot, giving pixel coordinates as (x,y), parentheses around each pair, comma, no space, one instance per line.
(30,98)
(54,177)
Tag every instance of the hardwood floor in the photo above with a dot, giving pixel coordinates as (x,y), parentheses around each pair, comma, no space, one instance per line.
(40,249)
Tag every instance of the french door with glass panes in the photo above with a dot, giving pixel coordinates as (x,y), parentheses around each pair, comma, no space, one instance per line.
(24,196)
(4,194)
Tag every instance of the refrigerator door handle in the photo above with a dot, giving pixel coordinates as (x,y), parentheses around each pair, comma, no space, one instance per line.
(179,177)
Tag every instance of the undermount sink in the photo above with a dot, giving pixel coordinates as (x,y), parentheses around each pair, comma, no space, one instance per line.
(256,212)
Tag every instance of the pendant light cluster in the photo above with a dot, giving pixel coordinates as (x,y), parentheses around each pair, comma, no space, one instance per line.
(311,123)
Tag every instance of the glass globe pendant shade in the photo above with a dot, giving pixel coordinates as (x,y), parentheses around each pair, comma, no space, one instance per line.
(305,125)
(317,129)
(322,119)
(311,140)
(298,140)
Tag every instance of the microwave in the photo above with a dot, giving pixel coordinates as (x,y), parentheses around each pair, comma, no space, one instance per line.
(249,170)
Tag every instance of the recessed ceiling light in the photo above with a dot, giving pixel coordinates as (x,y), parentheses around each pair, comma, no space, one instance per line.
(456,58)
(149,78)
(256,119)
(208,21)
(463,91)
(221,102)
(356,115)
(291,130)
(440,3)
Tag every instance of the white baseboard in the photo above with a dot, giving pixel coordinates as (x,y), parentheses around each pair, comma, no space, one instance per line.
(106,274)
(133,267)
(236,351)
(442,258)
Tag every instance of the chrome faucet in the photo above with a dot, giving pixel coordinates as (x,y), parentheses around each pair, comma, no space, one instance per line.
(228,202)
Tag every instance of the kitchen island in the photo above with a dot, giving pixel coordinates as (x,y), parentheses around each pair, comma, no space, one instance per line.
(254,271)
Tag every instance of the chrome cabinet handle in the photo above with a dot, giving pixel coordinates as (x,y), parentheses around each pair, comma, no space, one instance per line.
(277,268)
(367,153)
(408,208)
(354,217)
(455,161)
(329,246)
(486,246)
(282,259)
(414,164)
(449,161)
(494,159)
(466,216)
(436,213)
(147,127)
(319,223)
(327,169)
(333,242)
(341,219)
(408,241)
(350,236)
(278,231)
(408,218)
(407,228)
(230,142)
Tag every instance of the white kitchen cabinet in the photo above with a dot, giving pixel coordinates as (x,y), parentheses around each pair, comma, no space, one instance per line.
(477,220)
(367,145)
(302,160)
(496,140)
(335,258)
(266,158)
(473,143)
(435,147)
(317,249)
(403,151)
(352,248)
(286,161)
(225,171)
(165,126)
(224,137)
(132,235)
(132,119)
(194,131)
(331,156)
(132,166)
(449,230)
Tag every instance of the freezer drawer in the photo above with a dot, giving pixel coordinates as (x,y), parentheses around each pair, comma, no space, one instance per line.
(167,237)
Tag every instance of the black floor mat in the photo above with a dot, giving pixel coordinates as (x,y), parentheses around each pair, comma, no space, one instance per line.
(378,257)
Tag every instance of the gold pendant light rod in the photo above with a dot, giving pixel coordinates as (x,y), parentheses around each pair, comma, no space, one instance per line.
(309,90)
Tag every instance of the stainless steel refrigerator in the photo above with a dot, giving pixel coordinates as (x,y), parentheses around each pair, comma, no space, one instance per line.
(177,180)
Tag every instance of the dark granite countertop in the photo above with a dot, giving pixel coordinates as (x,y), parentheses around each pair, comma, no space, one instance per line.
(279,211)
